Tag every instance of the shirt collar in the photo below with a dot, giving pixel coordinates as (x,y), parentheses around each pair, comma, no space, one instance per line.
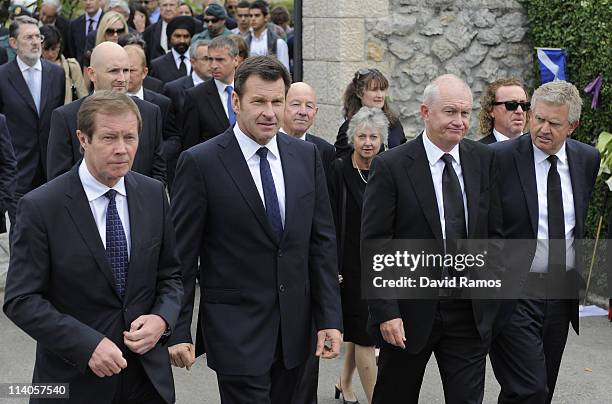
(263,35)
(221,85)
(500,137)
(249,147)
(434,153)
(303,137)
(96,16)
(94,188)
(177,56)
(196,79)
(23,66)
(139,93)
(539,156)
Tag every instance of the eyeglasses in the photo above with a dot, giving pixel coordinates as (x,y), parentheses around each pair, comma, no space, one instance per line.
(113,31)
(513,105)
(34,38)
(211,20)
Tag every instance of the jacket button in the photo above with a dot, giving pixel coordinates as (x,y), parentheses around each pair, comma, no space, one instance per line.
(281,288)
(280,253)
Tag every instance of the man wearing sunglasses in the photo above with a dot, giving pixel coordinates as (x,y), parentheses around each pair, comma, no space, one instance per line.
(214,19)
(503,113)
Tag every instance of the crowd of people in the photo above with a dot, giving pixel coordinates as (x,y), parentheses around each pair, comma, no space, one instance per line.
(145,150)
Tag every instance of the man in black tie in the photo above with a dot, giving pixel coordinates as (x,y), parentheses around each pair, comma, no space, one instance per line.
(251,204)
(441,187)
(94,277)
(547,183)
(81,26)
(175,64)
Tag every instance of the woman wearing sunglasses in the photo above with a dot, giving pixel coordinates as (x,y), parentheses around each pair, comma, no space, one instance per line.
(111,27)
(368,89)
(503,111)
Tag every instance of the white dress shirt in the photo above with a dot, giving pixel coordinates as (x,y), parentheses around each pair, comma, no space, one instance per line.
(542,165)
(436,166)
(500,137)
(32,75)
(223,95)
(138,94)
(98,203)
(259,47)
(196,79)
(249,149)
(177,60)
(163,39)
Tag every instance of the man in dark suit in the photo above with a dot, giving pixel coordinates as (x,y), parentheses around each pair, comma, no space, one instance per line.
(172,139)
(257,314)
(208,108)
(175,64)
(299,115)
(8,173)
(546,186)
(503,110)
(83,25)
(441,187)
(30,89)
(50,15)
(94,277)
(109,70)
(155,35)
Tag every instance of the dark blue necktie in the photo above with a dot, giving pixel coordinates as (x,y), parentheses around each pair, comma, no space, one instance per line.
(231,115)
(116,243)
(270,197)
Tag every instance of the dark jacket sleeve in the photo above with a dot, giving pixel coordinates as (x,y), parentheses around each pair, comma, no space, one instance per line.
(59,146)
(158,169)
(343,148)
(191,122)
(8,173)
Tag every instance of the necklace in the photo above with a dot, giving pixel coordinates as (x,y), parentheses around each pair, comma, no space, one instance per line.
(358,170)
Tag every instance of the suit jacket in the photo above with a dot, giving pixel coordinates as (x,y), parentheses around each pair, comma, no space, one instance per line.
(400,203)
(63,26)
(326,150)
(29,129)
(61,291)
(3,56)
(164,68)
(489,139)
(519,196)
(153,84)
(152,36)
(175,90)
(204,116)
(78,37)
(64,148)
(254,286)
(8,173)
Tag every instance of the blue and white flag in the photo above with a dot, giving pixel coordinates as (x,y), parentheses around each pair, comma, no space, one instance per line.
(552,64)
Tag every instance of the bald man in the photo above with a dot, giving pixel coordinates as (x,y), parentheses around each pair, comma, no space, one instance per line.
(300,113)
(439,186)
(109,70)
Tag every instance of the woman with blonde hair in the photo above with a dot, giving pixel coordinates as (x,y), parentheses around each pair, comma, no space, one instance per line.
(111,27)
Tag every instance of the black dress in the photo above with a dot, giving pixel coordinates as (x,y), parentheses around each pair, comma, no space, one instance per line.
(346,190)
(343,147)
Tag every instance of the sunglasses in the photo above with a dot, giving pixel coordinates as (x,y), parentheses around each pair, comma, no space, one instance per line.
(211,20)
(513,105)
(113,31)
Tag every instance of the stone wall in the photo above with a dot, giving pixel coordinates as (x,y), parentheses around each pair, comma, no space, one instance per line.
(411,41)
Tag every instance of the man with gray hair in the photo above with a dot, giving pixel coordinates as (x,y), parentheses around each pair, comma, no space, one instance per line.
(50,14)
(208,108)
(440,186)
(547,183)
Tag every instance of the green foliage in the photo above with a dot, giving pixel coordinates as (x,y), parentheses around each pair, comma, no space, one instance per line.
(584,29)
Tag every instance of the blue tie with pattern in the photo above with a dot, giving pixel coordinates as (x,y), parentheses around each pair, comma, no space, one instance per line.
(270,197)
(231,115)
(116,243)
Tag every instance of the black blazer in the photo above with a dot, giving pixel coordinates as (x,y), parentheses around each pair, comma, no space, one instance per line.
(64,148)
(61,291)
(8,173)
(253,284)
(77,37)
(152,36)
(400,203)
(519,196)
(175,90)
(489,139)
(326,150)
(28,128)
(343,148)
(204,116)
(164,68)
(3,56)
(153,84)
(63,26)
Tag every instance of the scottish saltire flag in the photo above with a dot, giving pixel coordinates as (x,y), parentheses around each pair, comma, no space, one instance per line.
(552,64)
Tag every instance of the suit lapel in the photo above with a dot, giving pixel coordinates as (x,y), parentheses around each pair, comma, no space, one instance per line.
(470,166)
(233,160)
(136,212)
(288,163)
(21,88)
(45,84)
(419,173)
(215,103)
(523,158)
(576,168)
(80,212)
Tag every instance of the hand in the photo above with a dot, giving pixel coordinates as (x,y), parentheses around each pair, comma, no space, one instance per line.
(332,335)
(107,359)
(144,333)
(393,332)
(182,355)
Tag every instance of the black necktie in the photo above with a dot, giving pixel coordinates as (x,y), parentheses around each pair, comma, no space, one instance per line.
(556,219)
(183,66)
(116,243)
(270,197)
(91,25)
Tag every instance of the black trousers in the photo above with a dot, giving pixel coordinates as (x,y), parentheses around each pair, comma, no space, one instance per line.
(308,381)
(134,386)
(526,355)
(459,351)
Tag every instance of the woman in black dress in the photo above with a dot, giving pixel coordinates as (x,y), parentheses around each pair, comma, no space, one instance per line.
(368,89)
(367,131)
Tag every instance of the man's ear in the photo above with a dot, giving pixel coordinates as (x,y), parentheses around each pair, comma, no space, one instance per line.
(424,109)
(573,126)
(13,42)
(91,73)
(235,103)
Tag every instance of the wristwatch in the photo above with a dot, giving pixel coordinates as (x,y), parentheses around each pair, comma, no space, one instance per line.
(163,340)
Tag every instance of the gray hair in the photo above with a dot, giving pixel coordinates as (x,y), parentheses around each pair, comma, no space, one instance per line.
(432,91)
(559,93)
(18,22)
(55,3)
(118,3)
(371,118)
(193,49)
(224,42)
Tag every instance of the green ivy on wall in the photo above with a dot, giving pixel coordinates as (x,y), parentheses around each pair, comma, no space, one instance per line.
(584,29)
